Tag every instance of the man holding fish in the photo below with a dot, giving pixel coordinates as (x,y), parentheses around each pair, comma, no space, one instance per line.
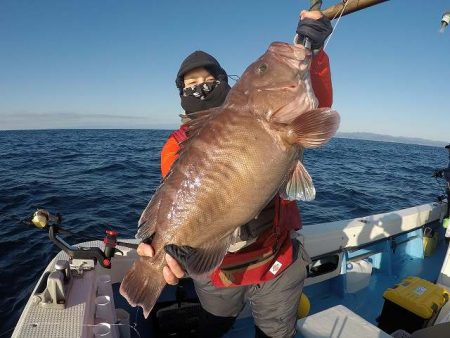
(234,239)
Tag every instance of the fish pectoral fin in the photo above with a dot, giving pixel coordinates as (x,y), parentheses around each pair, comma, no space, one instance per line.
(182,253)
(198,262)
(313,128)
(300,186)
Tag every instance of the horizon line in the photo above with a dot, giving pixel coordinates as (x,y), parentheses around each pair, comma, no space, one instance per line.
(168,128)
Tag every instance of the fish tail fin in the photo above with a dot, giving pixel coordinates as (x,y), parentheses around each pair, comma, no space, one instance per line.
(314,128)
(143,284)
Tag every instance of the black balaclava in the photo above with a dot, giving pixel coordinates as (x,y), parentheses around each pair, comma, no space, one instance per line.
(211,95)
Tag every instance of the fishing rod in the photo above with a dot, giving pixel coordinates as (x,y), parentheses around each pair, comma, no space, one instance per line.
(346,7)
(338,11)
(351,6)
(42,219)
(444,174)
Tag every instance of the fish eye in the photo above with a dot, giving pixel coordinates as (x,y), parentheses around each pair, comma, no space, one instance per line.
(262,68)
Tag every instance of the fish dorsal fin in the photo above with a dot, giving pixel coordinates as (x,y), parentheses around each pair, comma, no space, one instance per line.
(194,125)
(200,262)
(198,119)
(313,128)
(147,222)
(299,186)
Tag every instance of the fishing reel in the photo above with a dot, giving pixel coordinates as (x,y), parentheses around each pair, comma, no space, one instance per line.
(42,219)
(438,173)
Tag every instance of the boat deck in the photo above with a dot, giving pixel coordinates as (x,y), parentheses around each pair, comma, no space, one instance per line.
(367,302)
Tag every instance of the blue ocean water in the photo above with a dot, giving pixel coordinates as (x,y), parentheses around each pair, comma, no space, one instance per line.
(99,179)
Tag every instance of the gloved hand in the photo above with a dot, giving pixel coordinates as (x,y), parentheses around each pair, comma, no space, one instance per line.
(314,26)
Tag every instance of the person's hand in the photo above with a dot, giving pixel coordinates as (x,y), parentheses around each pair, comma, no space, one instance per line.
(315,26)
(172,272)
(314,15)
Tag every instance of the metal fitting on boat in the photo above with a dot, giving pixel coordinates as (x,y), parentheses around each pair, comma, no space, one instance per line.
(64,267)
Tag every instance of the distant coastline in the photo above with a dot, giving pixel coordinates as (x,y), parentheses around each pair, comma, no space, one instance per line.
(389,138)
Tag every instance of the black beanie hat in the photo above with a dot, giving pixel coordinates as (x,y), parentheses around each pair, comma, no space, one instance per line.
(200,59)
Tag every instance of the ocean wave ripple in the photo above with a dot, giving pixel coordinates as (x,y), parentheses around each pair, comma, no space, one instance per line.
(99,179)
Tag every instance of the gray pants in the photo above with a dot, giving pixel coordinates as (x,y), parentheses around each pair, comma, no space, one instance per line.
(274,303)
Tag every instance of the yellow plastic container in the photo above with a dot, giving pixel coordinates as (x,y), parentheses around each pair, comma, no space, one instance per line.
(418,296)
(430,241)
(446,223)
(411,305)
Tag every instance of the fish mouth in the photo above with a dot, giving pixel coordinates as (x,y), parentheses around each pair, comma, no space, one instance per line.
(291,86)
(290,54)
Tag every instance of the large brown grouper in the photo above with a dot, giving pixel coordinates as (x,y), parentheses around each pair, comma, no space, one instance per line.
(237,157)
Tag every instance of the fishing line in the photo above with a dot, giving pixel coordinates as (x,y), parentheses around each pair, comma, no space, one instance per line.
(7,331)
(440,186)
(136,316)
(337,22)
(234,77)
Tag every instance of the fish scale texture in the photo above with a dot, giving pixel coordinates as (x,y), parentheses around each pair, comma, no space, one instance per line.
(230,167)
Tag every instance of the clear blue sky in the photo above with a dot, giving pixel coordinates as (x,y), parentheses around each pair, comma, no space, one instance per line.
(112,64)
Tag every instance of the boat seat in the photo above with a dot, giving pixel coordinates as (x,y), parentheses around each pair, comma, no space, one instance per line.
(436,331)
(439,330)
(338,322)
